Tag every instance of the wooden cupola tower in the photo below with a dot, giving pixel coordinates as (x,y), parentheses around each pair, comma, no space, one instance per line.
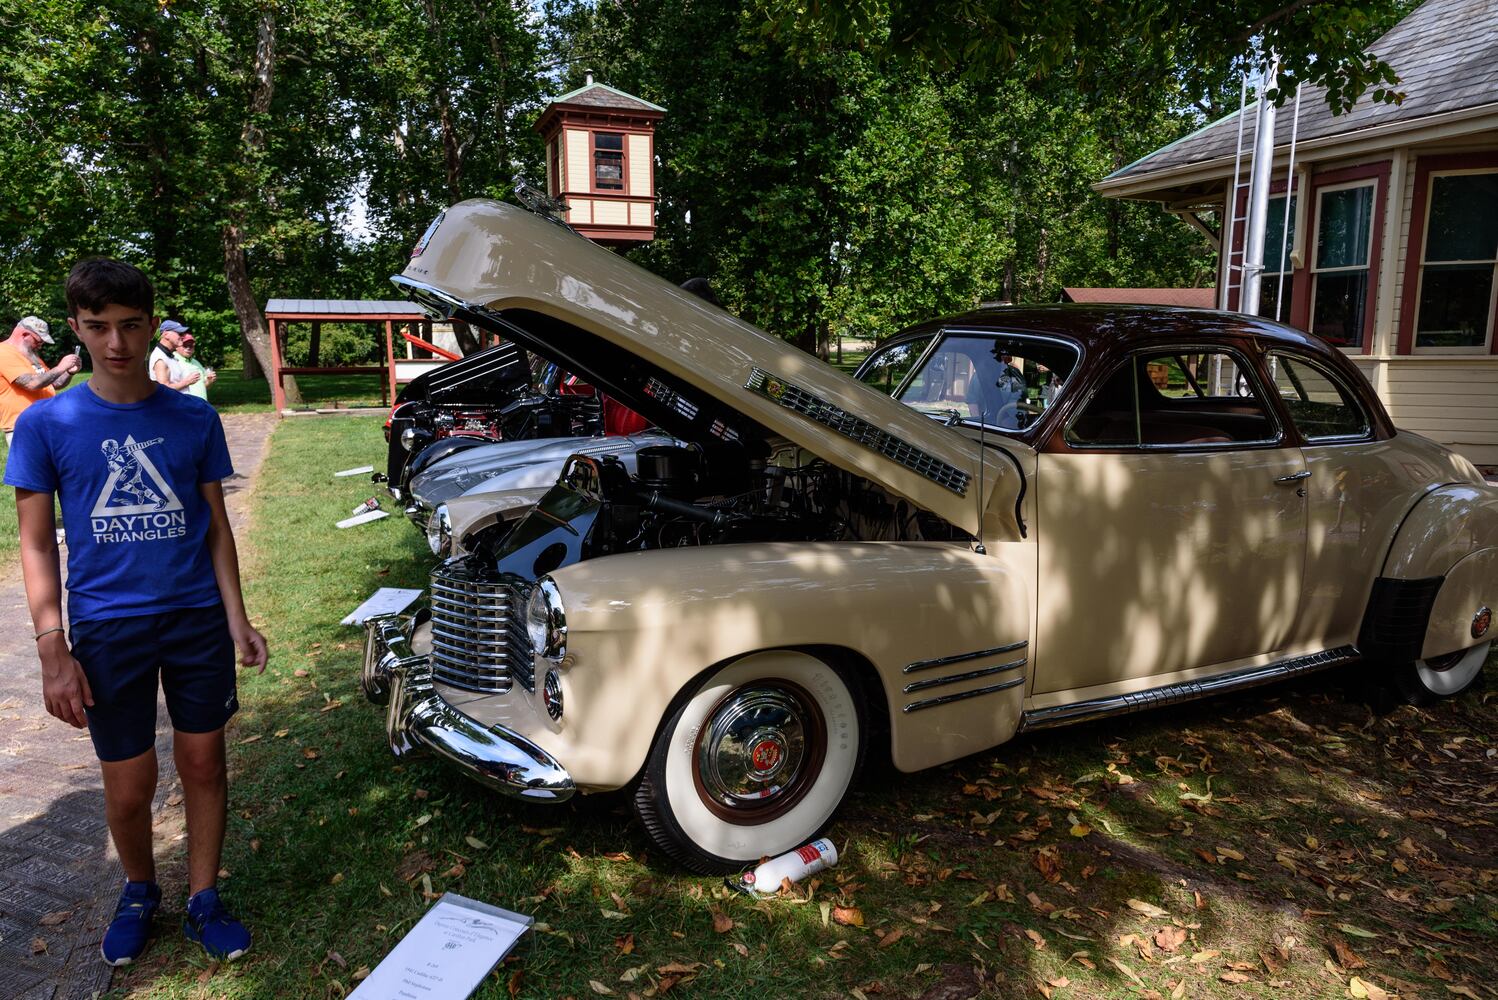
(600,159)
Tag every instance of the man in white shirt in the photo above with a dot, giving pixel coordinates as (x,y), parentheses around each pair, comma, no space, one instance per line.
(165,367)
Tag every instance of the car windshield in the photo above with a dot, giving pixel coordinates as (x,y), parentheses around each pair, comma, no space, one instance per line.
(1002,381)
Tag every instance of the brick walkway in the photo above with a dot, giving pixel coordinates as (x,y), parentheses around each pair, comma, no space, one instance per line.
(59,875)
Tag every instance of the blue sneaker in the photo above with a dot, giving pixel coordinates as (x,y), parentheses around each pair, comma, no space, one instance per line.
(128,932)
(212,926)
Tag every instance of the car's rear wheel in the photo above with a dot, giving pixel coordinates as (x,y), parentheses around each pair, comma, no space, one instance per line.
(1425,682)
(753,761)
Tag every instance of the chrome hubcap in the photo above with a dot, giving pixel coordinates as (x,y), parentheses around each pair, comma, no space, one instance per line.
(758,749)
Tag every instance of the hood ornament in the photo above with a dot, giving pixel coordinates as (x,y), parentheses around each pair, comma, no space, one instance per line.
(538,202)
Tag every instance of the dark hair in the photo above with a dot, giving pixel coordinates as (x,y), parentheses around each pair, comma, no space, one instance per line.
(98,282)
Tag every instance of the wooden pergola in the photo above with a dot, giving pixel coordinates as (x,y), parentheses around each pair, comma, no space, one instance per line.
(280,312)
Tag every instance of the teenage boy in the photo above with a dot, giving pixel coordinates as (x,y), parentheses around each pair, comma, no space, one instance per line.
(153,593)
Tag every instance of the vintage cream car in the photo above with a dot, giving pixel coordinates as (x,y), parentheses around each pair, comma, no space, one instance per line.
(1026,518)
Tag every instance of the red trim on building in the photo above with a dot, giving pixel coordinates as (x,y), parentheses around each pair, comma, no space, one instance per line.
(1410,297)
(1300,277)
(1379,174)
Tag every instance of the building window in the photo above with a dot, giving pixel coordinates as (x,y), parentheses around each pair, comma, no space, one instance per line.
(608,161)
(556,165)
(1279,271)
(1339,271)
(1459,261)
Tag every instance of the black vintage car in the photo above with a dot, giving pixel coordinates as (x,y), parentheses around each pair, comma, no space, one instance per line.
(498,394)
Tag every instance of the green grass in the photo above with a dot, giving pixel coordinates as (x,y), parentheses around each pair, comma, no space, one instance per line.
(1303,776)
(233,393)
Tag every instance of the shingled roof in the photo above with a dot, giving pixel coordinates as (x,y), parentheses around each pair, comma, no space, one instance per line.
(1445,54)
(601,95)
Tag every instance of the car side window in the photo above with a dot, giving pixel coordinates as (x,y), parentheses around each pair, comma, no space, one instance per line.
(1321,405)
(1176,398)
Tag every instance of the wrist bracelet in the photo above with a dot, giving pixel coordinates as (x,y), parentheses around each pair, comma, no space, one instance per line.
(49,631)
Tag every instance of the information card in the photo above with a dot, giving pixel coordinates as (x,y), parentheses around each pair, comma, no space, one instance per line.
(447,954)
(385,601)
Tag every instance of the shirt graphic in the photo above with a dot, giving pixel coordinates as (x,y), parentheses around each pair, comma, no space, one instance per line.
(136,504)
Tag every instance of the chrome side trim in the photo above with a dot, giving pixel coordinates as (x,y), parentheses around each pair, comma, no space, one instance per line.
(1171,694)
(942,661)
(417,716)
(916,706)
(798,400)
(969,675)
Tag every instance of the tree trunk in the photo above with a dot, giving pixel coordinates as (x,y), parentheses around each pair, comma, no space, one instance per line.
(468,341)
(452,150)
(252,325)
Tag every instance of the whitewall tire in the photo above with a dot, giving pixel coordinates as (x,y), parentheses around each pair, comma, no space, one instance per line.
(1425,682)
(753,761)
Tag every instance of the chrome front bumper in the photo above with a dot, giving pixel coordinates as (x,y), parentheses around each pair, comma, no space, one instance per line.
(396,676)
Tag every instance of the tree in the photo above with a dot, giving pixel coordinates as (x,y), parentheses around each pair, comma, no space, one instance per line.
(1322,42)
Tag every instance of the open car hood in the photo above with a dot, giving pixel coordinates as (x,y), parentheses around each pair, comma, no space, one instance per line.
(689,367)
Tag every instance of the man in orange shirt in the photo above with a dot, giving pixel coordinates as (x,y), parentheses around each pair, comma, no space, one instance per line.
(24,376)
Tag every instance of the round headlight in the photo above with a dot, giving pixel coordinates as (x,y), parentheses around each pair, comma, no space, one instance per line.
(408,438)
(440,532)
(546,622)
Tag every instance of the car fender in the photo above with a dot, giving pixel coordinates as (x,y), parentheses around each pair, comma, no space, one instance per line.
(1441,570)
(643,626)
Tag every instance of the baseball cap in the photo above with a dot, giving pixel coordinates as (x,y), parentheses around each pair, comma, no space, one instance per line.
(187,338)
(171,326)
(38,326)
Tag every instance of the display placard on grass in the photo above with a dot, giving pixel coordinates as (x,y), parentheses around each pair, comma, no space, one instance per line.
(447,954)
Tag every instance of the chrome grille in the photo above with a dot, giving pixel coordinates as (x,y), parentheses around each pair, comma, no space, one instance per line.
(478,640)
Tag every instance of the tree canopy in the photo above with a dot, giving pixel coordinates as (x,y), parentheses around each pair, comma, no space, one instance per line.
(832,169)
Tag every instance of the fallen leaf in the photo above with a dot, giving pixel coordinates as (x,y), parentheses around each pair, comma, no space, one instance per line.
(743,949)
(892,937)
(1125,970)
(1170,938)
(475,843)
(1463,991)
(1232,976)
(678,968)
(1035,938)
(1047,861)
(1363,990)
(337,877)
(848,916)
(337,959)
(251,739)
(599,988)
(1345,956)
(414,864)
(175,799)
(38,946)
(1228,852)
(630,975)
(1148,909)
(1202,957)
(624,943)
(361,973)
(310,753)
(722,922)
(1080,830)
(55,917)
(1355,931)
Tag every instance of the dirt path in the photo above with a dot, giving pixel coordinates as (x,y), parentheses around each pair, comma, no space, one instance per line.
(59,875)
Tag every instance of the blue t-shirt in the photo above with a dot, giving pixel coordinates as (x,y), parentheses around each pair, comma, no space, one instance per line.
(127,476)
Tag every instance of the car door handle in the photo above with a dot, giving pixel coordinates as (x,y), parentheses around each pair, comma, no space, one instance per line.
(1295,477)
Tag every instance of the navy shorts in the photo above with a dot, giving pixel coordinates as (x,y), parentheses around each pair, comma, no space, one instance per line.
(189,650)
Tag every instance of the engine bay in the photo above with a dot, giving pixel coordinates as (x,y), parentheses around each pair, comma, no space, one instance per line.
(678,498)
